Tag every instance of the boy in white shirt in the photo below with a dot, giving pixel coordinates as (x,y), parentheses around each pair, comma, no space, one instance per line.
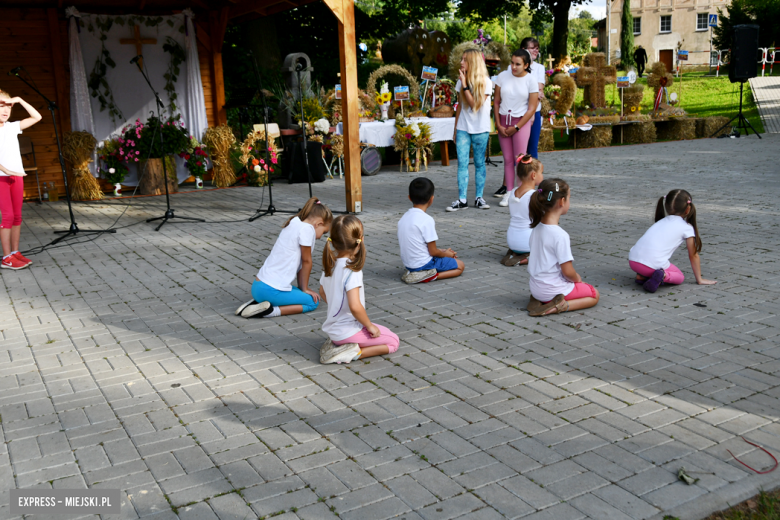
(417,237)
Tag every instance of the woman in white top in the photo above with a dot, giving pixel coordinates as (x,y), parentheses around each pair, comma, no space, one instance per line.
(514,106)
(675,223)
(272,293)
(555,284)
(351,335)
(530,173)
(472,126)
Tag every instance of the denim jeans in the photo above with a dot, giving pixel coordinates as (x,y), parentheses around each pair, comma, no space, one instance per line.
(533,140)
(463,142)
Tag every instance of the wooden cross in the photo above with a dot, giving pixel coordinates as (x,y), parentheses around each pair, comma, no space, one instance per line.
(138,42)
(550,61)
(594,77)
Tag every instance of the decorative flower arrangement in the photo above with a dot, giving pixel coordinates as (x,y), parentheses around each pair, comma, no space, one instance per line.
(254,161)
(442,93)
(140,141)
(384,95)
(113,167)
(552,92)
(196,156)
(411,140)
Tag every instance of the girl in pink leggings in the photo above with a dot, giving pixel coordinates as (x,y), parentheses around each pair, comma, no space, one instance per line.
(12,180)
(514,109)
(675,223)
(351,334)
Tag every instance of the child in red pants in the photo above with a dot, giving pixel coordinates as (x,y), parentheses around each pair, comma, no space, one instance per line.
(12,180)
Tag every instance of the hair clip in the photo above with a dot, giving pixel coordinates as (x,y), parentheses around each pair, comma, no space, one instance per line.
(549,196)
(524,159)
(664,197)
(359,240)
(689,201)
(329,240)
(318,202)
(540,190)
(556,187)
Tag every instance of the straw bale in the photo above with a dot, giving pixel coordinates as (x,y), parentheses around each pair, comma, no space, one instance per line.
(596,137)
(568,92)
(546,140)
(632,97)
(78,147)
(640,133)
(706,126)
(676,129)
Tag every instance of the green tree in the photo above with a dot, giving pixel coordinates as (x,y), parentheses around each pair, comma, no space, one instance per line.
(627,37)
(764,13)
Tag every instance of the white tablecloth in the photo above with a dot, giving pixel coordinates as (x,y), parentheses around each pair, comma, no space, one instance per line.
(380,133)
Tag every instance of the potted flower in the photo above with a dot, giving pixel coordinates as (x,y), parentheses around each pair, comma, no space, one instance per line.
(196,158)
(141,144)
(113,167)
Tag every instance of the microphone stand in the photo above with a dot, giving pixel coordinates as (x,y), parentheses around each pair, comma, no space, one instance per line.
(73,229)
(169,215)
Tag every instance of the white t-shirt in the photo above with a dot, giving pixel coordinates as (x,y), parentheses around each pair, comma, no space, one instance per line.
(284,262)
(550,247)
(657,245)
(518,235)
(340,323)
(475,122)
(515,92)
(10,157)
(415,230)
(540,75)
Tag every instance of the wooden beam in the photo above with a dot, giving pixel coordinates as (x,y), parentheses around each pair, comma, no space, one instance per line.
(247,6)
(217,31)
(203,36)
(61,83)
(345,12)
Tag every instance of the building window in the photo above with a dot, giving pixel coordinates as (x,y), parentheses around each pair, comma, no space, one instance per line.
(702,21)
(666,23)
(637,25)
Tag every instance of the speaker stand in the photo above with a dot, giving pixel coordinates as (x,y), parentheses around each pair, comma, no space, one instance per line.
(742,122)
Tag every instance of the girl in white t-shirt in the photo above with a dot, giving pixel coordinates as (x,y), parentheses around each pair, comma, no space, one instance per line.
(351,335)
(472,126)
(675,223)
(272,293)
(530,173)
(12,180)
(514,108)
(555,285)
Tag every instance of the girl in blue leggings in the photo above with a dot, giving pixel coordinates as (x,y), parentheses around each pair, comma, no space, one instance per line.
(290,258)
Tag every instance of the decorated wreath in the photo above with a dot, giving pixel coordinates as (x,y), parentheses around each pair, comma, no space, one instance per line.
(381,72)
(367,107)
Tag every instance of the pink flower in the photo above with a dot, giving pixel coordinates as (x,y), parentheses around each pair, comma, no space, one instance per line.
(274,160)
(137,152)
(136,159)
(262,161)
(121,152)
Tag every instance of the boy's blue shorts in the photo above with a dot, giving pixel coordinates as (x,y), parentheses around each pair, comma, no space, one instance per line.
(438,263)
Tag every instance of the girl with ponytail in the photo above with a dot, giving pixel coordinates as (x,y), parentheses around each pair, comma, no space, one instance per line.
(675,223)
(351,335)
(555,284)
(272,293)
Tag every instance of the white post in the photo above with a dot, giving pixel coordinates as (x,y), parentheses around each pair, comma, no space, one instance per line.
(609,34)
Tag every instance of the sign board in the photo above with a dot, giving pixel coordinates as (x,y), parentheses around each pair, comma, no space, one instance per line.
(712,20)
(401,93)
(338,91)
(618,53)
(682,55)
(429,73)
(623,82)
(613,31)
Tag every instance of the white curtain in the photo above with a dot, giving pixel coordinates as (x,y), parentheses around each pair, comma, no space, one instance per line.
(195,104)
(80,107)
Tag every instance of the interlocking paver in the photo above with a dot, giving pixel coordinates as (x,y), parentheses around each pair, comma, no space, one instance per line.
(123,365)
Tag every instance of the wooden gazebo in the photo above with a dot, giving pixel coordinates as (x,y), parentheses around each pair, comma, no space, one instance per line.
(35,34)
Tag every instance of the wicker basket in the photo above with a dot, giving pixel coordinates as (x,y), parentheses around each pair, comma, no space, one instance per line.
(441,111)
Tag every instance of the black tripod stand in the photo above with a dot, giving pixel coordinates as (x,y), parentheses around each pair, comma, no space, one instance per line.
(169,210)
(742,122)
(73,229)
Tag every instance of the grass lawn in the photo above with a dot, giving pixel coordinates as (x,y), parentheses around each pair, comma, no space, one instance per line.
(764,506)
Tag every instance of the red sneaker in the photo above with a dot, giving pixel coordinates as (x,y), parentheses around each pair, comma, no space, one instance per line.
(12,262)
(23,258)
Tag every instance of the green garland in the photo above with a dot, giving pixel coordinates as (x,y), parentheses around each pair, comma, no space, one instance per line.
(172,74)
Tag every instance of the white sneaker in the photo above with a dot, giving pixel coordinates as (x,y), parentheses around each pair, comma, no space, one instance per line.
(458,204)
(411,277)
(253,308)
(339,353)
(480,203)
(505,200)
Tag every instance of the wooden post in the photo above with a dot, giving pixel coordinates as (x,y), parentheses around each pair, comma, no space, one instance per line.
(61,83)
(345,13)
(217,25)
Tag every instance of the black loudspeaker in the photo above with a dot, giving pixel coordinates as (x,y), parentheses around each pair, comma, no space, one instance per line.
(744,52)
(294,167)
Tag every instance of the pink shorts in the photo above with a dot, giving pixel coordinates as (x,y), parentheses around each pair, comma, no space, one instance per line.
(364,339)
(581,290)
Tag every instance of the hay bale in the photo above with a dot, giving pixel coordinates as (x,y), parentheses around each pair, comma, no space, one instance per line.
(640,133)
(706,126)
(676,129)
(546,140)
(632,97)
(596,137)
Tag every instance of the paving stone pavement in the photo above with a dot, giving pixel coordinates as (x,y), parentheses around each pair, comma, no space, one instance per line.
(125,367)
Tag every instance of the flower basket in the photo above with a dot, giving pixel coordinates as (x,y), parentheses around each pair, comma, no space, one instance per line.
(441,111)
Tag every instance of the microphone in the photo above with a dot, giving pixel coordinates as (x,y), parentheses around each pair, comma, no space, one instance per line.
(135,60)
(15,71)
